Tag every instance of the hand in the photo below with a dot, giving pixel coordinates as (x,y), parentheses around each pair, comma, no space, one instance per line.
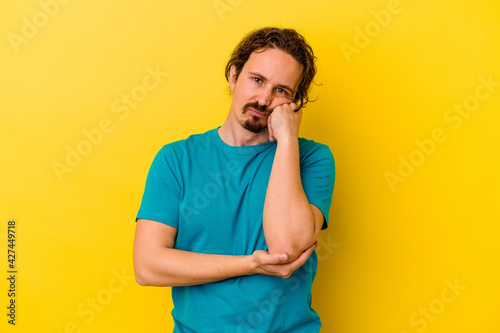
(283,122)
(276,264)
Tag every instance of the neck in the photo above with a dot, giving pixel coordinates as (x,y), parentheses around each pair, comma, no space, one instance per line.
(233,134)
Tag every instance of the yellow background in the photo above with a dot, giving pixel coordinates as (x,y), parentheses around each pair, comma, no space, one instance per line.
(390,250)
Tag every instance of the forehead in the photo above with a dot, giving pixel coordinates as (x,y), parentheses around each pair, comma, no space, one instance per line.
(276,66)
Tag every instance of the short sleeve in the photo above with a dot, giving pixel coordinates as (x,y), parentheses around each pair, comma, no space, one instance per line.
(162,193)
(317,170)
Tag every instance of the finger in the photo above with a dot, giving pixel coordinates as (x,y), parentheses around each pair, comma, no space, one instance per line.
(270,129)
(303,256)
(273,259)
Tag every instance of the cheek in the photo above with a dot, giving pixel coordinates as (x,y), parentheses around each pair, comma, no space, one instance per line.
(279,101)
(245,90)
(239,98)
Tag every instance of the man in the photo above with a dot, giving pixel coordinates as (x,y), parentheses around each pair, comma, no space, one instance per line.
(230,218)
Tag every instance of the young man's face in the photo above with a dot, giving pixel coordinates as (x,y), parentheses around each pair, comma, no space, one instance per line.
(268,79)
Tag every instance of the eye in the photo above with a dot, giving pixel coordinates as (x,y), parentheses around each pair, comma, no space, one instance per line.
(283,92)
(257,79)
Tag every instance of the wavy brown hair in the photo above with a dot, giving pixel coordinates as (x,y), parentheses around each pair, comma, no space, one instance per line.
(286,40)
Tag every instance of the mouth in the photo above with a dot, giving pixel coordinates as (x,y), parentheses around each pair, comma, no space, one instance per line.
(257,113)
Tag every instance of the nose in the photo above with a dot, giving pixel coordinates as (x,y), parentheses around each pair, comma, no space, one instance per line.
(266,97)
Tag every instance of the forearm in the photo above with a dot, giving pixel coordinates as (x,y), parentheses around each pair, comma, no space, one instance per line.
(172,267)
(158,263)
(288,217)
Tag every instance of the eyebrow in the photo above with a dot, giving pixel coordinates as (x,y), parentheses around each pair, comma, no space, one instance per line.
(262,77)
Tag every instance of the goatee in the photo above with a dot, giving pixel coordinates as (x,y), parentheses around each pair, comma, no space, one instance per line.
(254,124)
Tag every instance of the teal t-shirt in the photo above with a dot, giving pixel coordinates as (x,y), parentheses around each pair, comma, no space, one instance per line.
(214,195)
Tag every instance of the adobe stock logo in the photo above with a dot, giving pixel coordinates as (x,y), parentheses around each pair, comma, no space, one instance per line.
(96,303)
(252,321)
(121,106)
(420,319)
(31,26)
(364,36)
(454,116)
(223,6)
(217,181)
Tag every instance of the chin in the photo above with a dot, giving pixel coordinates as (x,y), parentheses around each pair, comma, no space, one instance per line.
(254,127)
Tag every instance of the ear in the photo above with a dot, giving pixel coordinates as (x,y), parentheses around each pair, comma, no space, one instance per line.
(232,78)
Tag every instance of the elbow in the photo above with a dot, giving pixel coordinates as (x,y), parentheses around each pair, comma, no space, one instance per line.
(144,274)
(293,247)
(294,251)
(144,270)
(148,277)
(294,236)
(141,281)
(140,270)
(142,277)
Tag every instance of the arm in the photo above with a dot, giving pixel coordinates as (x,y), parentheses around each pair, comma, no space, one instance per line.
(291,223)
(157,263)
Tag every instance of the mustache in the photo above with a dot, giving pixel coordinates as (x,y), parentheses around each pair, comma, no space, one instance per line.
(256,106)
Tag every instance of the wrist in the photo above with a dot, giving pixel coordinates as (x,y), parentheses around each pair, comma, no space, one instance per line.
(250,265)
(288,140)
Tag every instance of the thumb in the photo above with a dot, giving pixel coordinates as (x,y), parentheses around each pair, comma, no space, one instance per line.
(274,259)
(282,257)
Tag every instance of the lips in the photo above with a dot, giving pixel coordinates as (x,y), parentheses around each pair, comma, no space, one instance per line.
(257,113)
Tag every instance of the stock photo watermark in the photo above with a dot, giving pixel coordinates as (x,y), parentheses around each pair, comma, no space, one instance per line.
(223,6)
(88,309)
(454,116)
(12,270)
(364,35)
(266,307)
(216,183)
(325,248)
(32,25)
(421,318)
(121,106)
